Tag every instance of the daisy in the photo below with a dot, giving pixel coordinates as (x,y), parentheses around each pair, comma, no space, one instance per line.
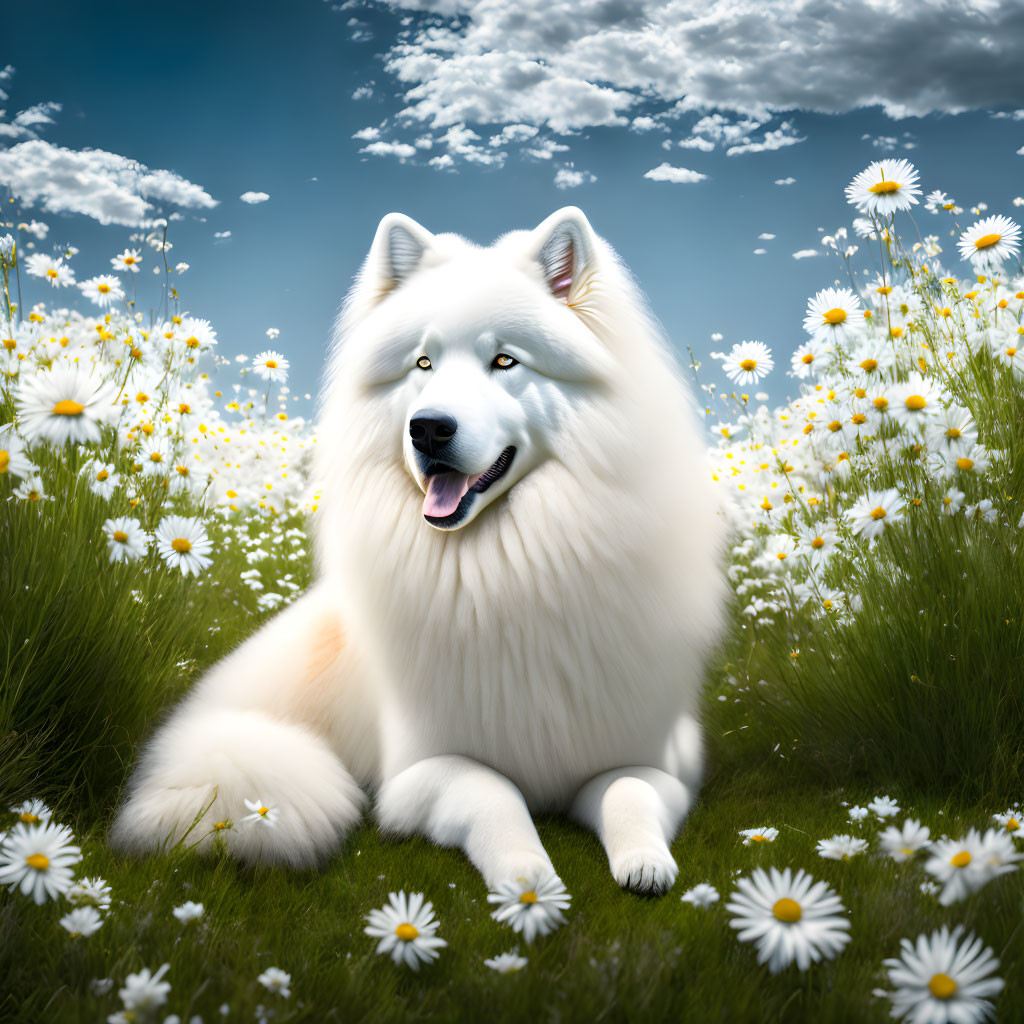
(915,402)
(952,428)
(271,366)
(56,271)
(884,807)
(857,813)
(38,859)
(702,895)
(903,843)
(188,912)
(103,290)
(32,811)
(808,358)
(885,187)
(103,478)
(82,921)
(407,929)
(1011,354)
(197,334)
(976,460)
(965,865)
(1010,820)
(31,490)
(873,513)
(530,908)
(817,542)
(748,362)
(273,979)
(990,240)
(156,455)
(831,315)
(145,991)
(758,835)
(183,544)
(952,501)
(840,847)
(90,892)
(64,403)
(937,200)
(983,510)
(506,963)
(13,459)
(260,812)
(939,980)
(789,917)
(126,539)
(127,262)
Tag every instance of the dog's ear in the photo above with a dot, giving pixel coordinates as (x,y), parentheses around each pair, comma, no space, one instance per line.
(563,246)
(399,247)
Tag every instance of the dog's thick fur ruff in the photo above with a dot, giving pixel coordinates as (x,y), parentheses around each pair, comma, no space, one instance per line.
(547,655)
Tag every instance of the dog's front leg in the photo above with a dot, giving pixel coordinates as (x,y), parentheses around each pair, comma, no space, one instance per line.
(636,813)
(456,801)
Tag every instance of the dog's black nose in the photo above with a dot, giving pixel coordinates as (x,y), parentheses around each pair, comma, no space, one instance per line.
(431,430)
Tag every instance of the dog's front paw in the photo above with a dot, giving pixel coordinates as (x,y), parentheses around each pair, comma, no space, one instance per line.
(650,871)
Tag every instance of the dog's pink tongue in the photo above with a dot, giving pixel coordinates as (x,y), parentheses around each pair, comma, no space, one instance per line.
(444,492)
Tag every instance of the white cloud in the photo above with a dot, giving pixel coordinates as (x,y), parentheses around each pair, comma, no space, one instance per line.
(804,254)
(402,150)
(364,92)
(785,181)
(367,134)
(513,133)
(666,172)
(105,186)
(222,234)
(254,197)
(568,177)
(545,149)
(646,124)
(760,252)
(696,142)
(784,135)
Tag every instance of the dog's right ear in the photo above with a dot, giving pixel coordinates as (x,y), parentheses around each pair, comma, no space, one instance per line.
(399,247)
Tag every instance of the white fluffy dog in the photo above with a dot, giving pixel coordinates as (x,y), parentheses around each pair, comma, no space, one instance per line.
(518,580)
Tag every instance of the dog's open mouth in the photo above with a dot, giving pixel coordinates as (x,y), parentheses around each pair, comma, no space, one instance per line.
(450,493)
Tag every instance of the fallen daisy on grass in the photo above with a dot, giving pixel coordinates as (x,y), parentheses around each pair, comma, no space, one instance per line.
(90,892)
(903,843)
(143,992)
(938,979)
(260,812)
(841,847)
(82,921)
(38,860)
(965,865)
(530,908)
(407,929)
(188,912)
(789,917)
(273,979)
(758,835)
(701,895)
(884,807)
(506,963)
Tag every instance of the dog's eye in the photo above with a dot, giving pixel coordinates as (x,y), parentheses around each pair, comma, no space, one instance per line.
(423,363)
(503,362)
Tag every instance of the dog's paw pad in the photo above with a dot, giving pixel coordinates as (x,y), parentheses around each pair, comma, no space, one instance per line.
(651,871)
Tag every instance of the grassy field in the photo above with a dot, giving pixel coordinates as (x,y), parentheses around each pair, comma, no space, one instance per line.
(876,647)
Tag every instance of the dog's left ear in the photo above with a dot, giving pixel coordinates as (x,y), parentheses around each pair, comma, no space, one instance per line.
(399,247)
(563,246)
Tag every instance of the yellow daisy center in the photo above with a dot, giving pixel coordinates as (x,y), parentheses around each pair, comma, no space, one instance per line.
(826,604)
(915,402)
(5,460)
(39,861)
(51,273)
(881,402)
(31,818)
(270,364)
(120,536)
(818,542)
(1012,825)
(953,432)
(103,288)
(965,463)
(781,555)
(835,315)
(961,859)
(10,344)
(884,187)
(183,470)
(884,290)
(68,407)
(263,811)
(183,545)
(858,418)
(129,260)
(406,932)
(986,241)
(748,364)
(807,358)
(897,332)
(787,910)
(192,342)
(184,407)
(869,365)
(757,839)
(220,825)
(878,513)
(155,457)
(102,475)
(1011,352)
(528,897)
(834,426)
(942,986)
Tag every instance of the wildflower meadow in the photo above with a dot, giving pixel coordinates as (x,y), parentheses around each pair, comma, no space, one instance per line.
(856,852)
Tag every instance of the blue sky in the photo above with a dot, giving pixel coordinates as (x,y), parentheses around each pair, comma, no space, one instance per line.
(259,97)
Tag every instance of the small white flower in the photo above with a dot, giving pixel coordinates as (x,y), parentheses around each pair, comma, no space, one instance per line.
(407,929)
(885,187)
(38,859)
(13,459)
(145,991)
(702,895)
(832,315)
(903,843)
(260,813)
(126,539)
(32,811)
(55,271)
(127,262)
(990,241)
(103,290)
(759,835)
(183,544)
(1010,820)
(82,921)
(271,366)
(952,501)
(965,865)
(90,892)
(869,517)
(530,907)
(748,362)
(64,403)
(506,963)
(188,911)
(884,807)
(273,979)
(841,847)
(858,813)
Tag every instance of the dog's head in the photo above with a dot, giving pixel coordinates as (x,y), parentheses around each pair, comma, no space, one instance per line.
(473,357)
